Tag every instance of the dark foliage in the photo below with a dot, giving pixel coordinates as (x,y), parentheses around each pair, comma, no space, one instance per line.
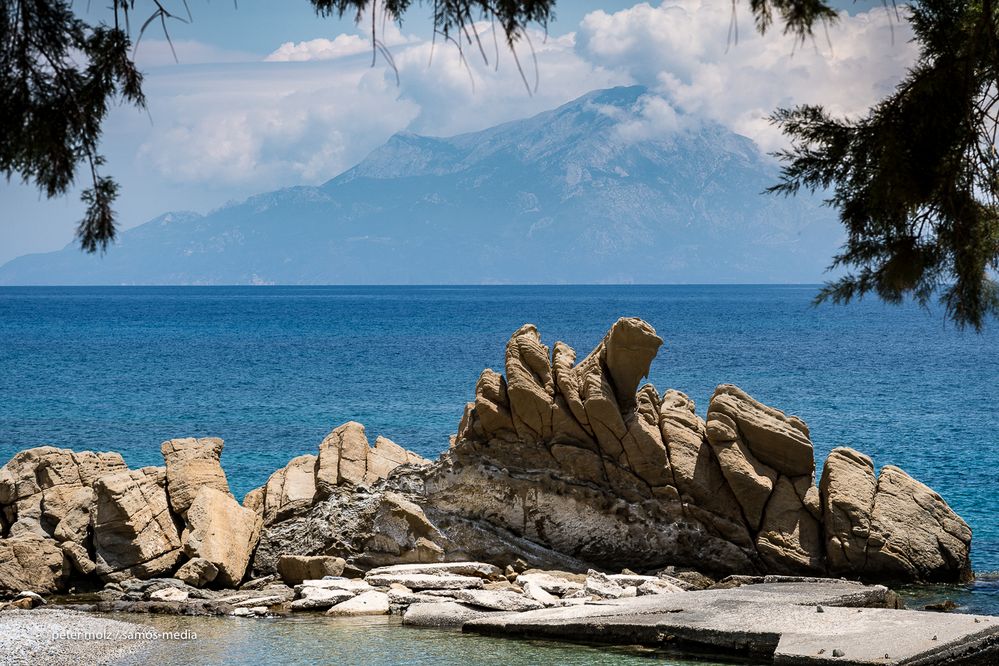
(916,180)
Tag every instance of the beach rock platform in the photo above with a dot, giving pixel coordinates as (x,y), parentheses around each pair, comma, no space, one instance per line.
(805,623)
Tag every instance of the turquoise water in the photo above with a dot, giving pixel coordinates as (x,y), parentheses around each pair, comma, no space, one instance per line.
(374,641)
(272,370)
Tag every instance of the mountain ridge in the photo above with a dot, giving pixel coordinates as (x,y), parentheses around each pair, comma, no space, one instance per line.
(576,194)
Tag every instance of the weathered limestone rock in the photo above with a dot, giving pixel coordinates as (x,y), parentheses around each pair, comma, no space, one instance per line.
(502,600)
(134,533)
(190,465)
(914,534)
(294,569)
(39,488)
(78,558)
(790,540)
(777,440)
(197,572)
(848,487)
(33,563)
(319,598)
(530,384)
(480,569)
(419,581)
(442,614)
(221,532)
(288,491)
(570,465)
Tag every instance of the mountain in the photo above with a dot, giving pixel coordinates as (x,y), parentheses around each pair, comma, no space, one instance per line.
(570,195)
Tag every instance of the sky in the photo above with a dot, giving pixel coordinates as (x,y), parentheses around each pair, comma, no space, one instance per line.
(265,95)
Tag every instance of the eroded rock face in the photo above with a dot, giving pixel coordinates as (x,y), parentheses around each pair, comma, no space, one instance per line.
(345,460)
(30,562)
(134,532)
(575,457)
(892,528)
(221,532)
(192,464)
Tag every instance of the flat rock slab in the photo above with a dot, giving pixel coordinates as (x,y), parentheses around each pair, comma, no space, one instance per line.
(779,622)
(480,569)
(425,581)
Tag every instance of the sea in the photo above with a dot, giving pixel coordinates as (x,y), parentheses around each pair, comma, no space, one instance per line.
(272,370)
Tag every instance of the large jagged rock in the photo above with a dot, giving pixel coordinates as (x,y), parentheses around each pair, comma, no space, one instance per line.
(891,529)
(192,464)
(43,486)
(289,491)
(134,532)
(221,532)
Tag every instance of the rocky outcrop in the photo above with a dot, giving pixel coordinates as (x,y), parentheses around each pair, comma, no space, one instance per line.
(577,458)
(557,464)
(345,461)
(68,516)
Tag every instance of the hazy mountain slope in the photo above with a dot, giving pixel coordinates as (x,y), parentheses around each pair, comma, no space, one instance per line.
(566,196)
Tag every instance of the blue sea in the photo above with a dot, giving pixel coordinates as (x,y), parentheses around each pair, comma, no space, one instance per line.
(272,369)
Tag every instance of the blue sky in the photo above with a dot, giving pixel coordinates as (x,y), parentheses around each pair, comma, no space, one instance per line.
(268,95)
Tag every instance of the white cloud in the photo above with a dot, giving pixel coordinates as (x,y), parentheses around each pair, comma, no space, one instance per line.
(682,50)
(314,109)
(340,46)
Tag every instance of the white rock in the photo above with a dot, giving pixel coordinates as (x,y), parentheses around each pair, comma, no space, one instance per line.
(657,586)
(260,602)
(553,584)
(480,569)
(601,585)
(540,594)
(169,594)
(425,581)
(318,598)
(366,603)
(355,586)
(503,600)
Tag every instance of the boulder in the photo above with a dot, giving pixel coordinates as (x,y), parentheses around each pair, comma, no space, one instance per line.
(777,440)
(295,569)
(366,603)
(221,532)
(602,586)
(915,535)
(192,464)
(40,487)
(346,458)
(319,598)
(30,562)
(197,572)
(134,533)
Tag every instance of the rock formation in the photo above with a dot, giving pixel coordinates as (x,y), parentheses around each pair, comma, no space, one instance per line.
(557,464)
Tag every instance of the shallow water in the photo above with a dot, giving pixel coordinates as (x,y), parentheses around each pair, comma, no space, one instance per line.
(272,370)
(375,641)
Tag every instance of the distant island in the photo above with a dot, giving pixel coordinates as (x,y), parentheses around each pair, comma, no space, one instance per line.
(573,195)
